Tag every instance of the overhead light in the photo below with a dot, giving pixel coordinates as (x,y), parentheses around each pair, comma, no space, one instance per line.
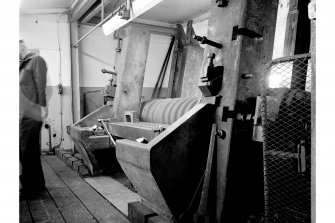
(137,8)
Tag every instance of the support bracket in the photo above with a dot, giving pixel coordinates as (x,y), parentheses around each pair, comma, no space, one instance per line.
(245,32)
(226,113)
(222,3)
(125,14)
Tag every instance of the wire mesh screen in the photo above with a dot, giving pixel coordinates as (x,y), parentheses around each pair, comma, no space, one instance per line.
(286,120)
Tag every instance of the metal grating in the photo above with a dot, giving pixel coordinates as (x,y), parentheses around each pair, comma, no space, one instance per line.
(286,121)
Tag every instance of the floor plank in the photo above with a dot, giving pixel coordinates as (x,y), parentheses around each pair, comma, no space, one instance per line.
(24,212)
(101,209)
(114,191)
(69,205)
(43,209)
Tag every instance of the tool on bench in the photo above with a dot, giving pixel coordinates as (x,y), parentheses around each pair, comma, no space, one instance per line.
(106,129)
(202,214)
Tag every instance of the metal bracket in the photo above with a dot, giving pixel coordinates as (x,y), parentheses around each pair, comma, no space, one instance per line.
(227,114)
(245,32)
(211,82)
(125,14)
(222,3)
(118,45)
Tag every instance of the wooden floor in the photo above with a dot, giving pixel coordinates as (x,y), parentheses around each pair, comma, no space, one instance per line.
(68,198)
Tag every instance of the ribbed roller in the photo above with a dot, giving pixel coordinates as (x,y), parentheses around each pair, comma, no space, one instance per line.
(166,111)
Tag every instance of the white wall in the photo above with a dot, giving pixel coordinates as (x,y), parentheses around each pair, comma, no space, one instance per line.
(158,47)
(200,28)
(47,33)
(96,52)
(40,32)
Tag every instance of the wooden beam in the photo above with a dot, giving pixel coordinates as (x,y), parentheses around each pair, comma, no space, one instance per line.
(235,60)
(189,34)
(138,7)
(81,8)
(135,45)
(173,69)
(291,28)
(177,64)
(95,11)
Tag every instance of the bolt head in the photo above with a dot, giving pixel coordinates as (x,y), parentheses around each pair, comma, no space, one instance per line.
(211,55)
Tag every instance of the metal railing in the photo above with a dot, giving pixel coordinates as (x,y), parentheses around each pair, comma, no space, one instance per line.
(286,121)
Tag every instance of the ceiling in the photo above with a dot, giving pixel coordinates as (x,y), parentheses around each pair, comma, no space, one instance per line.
(177,11)
(45,4)
(168,11)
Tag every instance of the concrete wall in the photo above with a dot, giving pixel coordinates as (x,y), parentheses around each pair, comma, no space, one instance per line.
(49,34)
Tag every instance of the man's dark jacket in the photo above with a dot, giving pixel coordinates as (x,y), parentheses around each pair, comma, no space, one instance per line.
(33,72)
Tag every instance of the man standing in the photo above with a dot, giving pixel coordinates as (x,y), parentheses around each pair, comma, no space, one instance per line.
(33,111)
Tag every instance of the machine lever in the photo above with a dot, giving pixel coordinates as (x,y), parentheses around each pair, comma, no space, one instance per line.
(106,129)
(302,157)
(202,215)
(204,40)
(108,72)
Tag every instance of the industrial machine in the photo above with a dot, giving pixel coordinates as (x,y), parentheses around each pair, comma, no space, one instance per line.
(161,144)
(190,158)
(167,169)
(93,145)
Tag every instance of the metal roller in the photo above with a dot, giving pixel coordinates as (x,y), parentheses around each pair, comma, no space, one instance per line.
(166,111)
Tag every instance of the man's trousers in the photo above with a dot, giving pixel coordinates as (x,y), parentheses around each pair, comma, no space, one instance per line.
(32,178)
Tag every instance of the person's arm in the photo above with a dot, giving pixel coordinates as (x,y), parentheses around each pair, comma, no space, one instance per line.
(40,76)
